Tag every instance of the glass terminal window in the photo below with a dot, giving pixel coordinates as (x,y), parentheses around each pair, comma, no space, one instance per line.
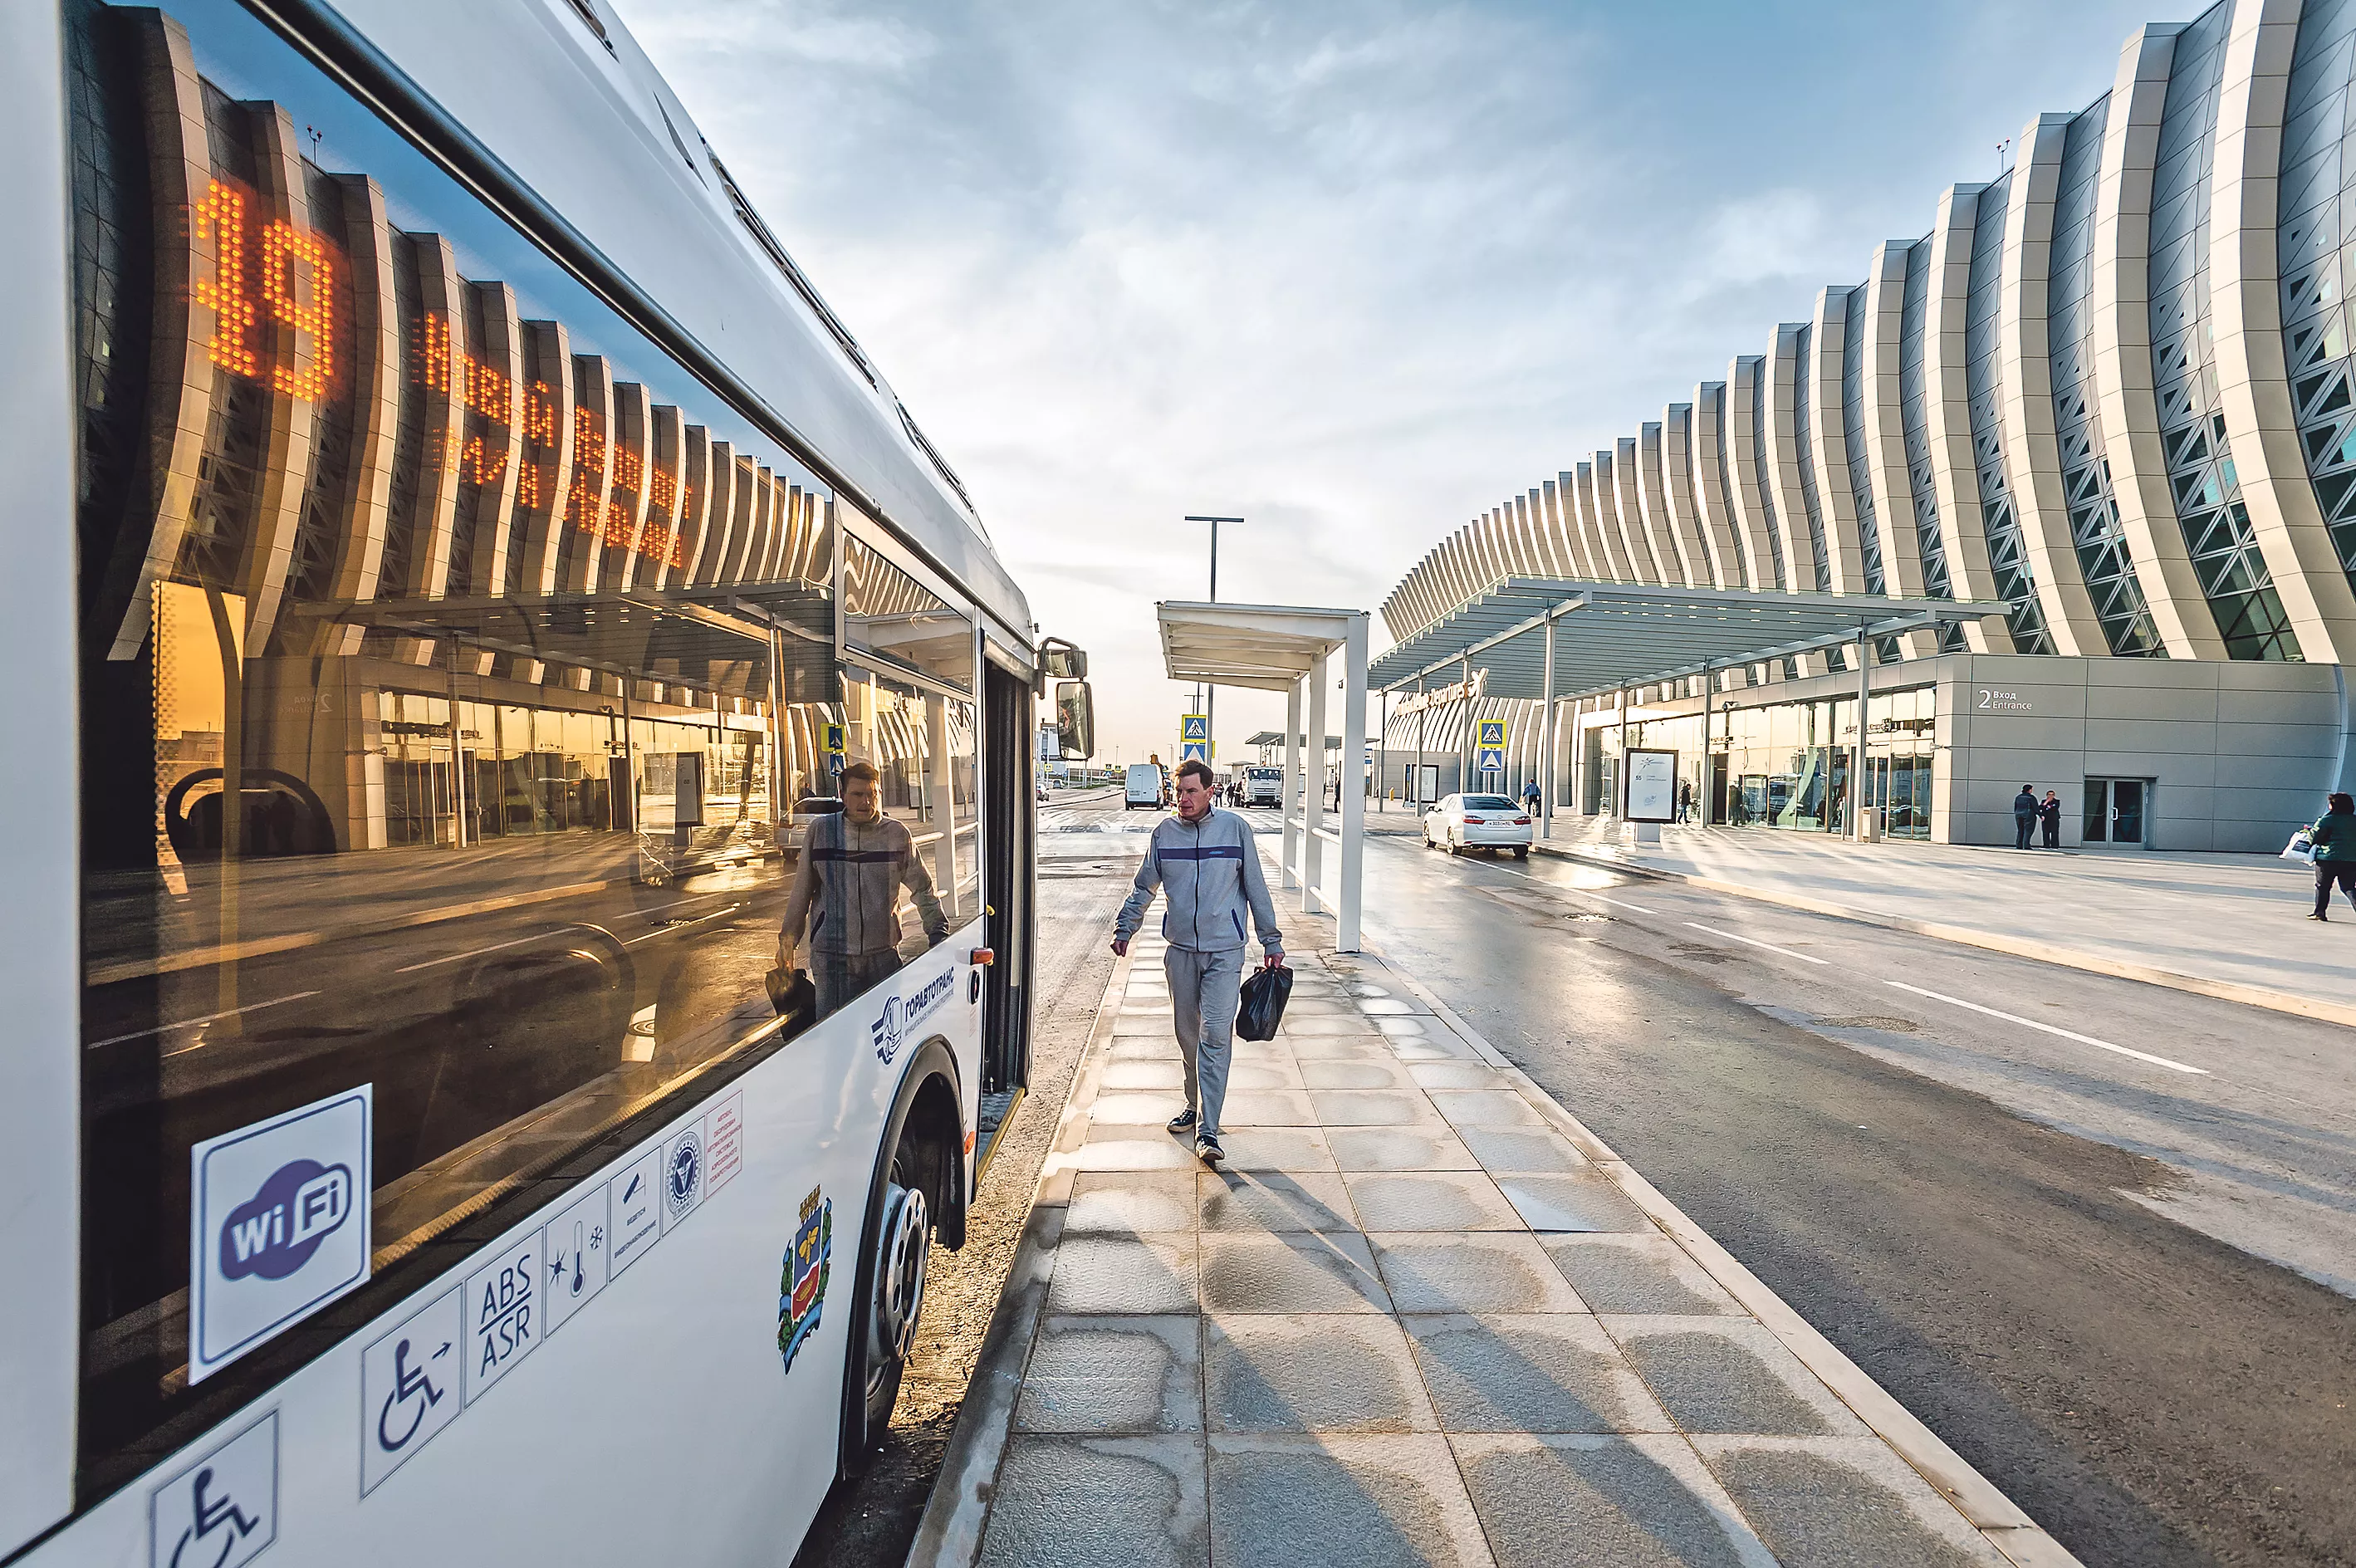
(461,687)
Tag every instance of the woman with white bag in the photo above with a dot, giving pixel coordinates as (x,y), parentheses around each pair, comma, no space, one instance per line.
(2334,841)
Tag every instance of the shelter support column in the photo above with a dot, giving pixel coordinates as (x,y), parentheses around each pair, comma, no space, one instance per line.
(1546,730)
(1422,717)
(1312,807)
(1287,848)
(1856,764)
(1354,800)
(1620,777)
(1708,762)
(1471,728)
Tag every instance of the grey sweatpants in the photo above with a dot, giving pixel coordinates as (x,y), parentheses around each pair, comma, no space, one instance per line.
(842,977)
(1203,989)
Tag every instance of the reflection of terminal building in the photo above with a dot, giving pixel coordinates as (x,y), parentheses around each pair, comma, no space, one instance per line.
(2112,392)
(435,558)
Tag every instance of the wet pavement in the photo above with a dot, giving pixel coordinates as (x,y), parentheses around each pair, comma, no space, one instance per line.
(1420,1316)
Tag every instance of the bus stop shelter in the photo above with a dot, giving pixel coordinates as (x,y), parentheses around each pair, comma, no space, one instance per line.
(1546,640)
(1299,651)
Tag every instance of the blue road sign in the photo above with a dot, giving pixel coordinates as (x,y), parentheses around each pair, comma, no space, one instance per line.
(1490,743)
(1195,751)
(1195,726)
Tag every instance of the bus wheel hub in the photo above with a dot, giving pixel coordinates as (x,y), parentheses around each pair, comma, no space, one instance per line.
(906,1240)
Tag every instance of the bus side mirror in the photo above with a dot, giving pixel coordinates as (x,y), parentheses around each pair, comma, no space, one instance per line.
(1061,661)
(1076,718)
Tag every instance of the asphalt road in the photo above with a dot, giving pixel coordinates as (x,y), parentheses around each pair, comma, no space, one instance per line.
(2088,1231)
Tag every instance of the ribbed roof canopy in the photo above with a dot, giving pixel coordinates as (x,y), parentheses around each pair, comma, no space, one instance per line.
(1266,646)
(1614,635)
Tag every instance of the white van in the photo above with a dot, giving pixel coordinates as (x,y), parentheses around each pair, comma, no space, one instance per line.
(1144,786)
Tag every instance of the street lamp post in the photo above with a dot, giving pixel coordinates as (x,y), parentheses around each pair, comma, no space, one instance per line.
(1210,695)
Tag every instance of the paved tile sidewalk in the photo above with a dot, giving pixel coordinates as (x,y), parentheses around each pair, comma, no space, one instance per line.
(2224,925)
(1420,1317)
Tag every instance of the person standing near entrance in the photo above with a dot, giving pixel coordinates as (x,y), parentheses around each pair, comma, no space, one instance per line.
(1204,861)
(1530,798)
(2334,837)
(854,864)
(1684,801)
(2024,816)
(2049,816)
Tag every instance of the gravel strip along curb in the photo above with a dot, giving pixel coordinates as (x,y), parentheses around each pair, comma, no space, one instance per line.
(957,1512)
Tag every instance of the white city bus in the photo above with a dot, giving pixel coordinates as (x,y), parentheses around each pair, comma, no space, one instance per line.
(453,556)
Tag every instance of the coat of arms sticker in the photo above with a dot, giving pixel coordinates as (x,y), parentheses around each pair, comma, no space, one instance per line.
(801,1282)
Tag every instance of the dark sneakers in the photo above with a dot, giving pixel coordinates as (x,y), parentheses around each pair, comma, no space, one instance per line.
(1183,1121)
(1207,1149)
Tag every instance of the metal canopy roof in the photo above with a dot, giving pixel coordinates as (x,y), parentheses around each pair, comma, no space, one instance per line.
(1276,737)
(1614,635)
(1266,646)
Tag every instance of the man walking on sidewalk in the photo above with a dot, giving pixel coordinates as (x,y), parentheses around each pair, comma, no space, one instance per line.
(1204,862)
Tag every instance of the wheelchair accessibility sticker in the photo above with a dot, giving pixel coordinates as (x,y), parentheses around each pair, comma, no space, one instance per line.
(222,1511)
(409,1386)
(417,1377)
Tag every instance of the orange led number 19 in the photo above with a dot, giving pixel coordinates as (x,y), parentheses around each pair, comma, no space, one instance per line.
(221,215)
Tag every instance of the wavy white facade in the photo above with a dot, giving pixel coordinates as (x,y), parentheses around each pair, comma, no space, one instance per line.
(2115,388)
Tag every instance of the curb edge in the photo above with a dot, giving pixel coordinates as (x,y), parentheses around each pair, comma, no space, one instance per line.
(1997,1518)
(957,1511)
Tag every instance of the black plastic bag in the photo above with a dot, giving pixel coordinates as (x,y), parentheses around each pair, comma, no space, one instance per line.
(795,996)
(1262,1007)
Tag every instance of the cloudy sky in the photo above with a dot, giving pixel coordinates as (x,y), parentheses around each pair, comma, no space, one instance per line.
(1353,271)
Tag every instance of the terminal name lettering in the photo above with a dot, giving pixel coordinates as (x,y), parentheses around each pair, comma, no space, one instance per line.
(1996,700)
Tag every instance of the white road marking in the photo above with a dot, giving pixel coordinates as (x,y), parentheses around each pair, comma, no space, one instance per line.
(1578,892)
(475,952)
(500,947)
(675,930)
(192,1022)
(1582,892)
(2052,1029)
(1754,941)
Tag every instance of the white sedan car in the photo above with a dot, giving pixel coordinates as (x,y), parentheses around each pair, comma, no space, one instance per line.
(1478,822)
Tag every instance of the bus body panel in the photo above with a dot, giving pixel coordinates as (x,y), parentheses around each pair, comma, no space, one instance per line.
(660,1422)
(661,1417)
(39,953)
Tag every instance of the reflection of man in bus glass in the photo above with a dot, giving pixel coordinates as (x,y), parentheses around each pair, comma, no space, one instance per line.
(854,863)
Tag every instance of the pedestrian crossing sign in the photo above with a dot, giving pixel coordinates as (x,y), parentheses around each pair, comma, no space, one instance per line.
(1195,751)
(1491,745)
(1195,726)
(835,739)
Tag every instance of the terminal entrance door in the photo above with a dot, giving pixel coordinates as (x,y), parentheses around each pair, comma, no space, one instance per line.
(2118,811)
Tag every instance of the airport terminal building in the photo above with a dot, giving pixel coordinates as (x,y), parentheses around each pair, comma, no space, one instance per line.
(2111,395)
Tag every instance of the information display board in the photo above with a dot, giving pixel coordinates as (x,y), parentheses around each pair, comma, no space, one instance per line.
(1652,793)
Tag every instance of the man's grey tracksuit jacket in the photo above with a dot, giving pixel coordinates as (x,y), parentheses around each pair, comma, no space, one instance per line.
(1208,874)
